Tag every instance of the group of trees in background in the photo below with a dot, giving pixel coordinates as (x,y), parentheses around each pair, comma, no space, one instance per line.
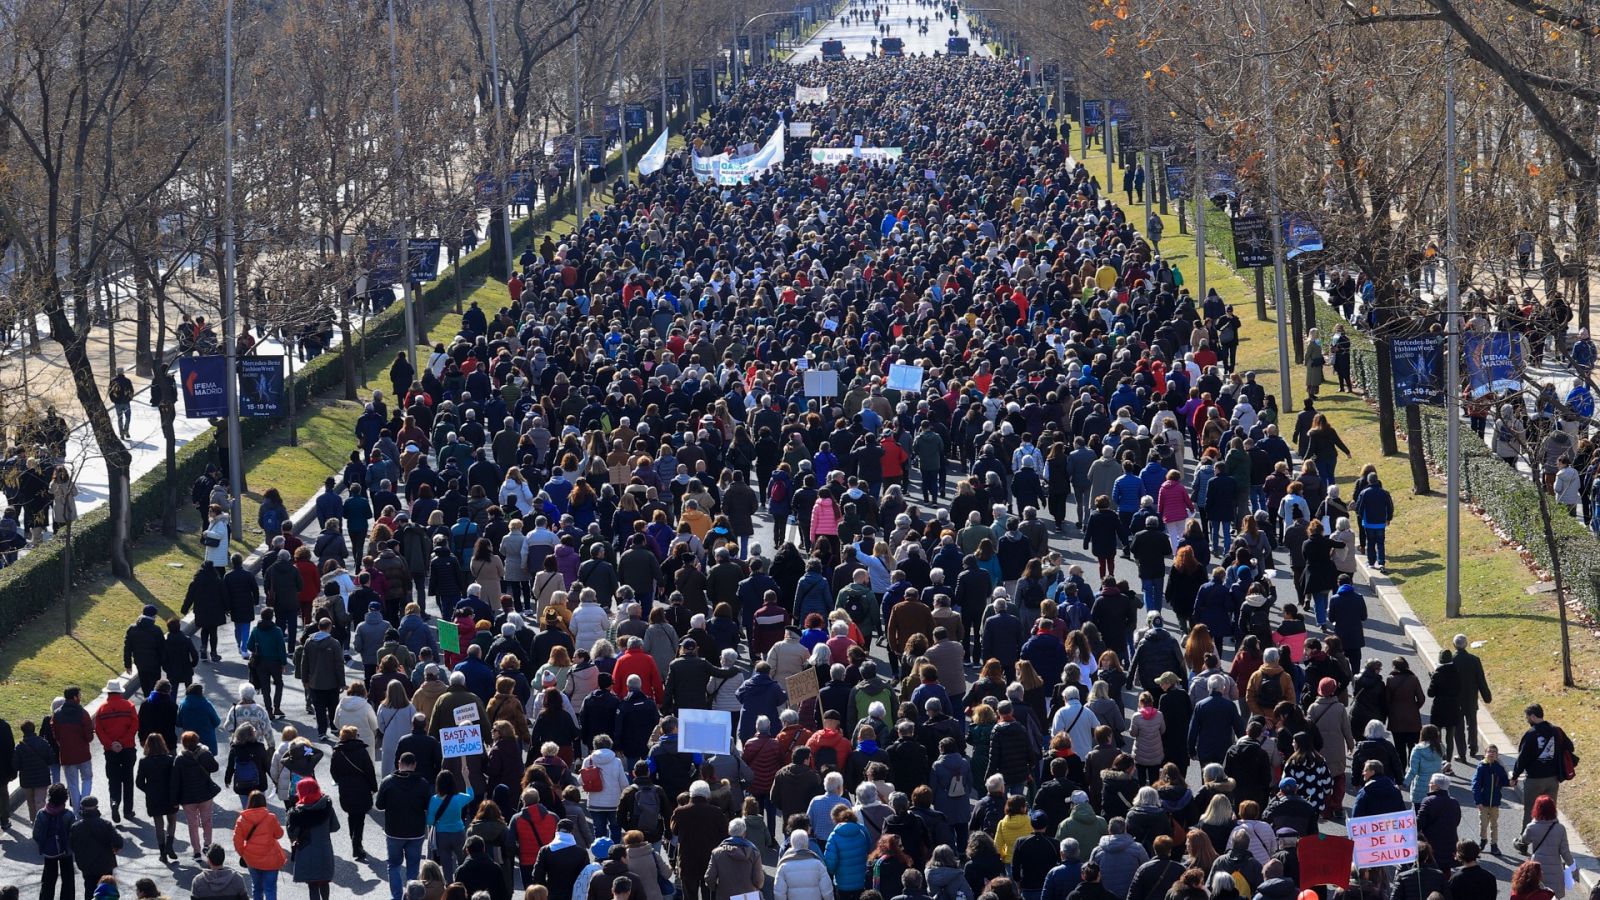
(112,150)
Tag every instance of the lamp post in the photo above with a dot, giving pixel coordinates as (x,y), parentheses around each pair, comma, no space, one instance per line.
(399,187)
(230,324)
(500,141)
(738,35)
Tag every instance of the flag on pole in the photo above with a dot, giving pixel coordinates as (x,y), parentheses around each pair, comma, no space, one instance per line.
(654,158)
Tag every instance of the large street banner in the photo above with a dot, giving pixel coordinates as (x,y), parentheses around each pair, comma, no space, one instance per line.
(1300,235)
(261,387)
(1252,242)
(1384,840)
(1177,181)
(744,169)
(804,94)
(1494,363)
(833,155)
(655,157)
(1418,370)
(205,387)
(383,254)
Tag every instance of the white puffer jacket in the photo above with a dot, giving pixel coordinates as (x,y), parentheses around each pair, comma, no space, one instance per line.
(802,876)
(589,624)
(615,776)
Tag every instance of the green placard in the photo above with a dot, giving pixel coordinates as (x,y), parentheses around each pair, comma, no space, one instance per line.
(449,637)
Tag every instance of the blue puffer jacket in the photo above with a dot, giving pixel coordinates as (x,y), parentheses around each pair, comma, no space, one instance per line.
(846,856)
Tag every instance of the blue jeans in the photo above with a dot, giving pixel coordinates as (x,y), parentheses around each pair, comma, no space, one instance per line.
(605,823)
(1258,497)
(263,884)
(1319,600)
(79,779)
(1325,468)
(1375,541)
(241,635)
(1221,534)
(409,849)
(1152,594)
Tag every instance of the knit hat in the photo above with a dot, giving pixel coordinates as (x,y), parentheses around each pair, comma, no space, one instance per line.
(1326,687)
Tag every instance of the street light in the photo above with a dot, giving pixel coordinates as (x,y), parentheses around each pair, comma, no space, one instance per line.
(739,34)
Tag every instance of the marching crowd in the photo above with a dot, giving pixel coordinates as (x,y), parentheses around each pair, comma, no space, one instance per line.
(941,682)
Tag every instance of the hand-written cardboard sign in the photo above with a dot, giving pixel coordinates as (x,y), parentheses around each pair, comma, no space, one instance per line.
(1386,840)
(467,740)
(802,686)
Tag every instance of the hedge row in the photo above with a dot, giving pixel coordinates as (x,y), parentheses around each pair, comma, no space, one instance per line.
(1508,497)
(34,581)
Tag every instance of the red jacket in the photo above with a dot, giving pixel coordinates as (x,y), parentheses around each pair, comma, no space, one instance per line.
(894,458)
(830,737)
(531,830)
(117,722)
(642,664)
(74,734)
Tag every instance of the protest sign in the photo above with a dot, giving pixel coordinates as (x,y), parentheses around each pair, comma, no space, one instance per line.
(804,94)
(705,730)
(799,129)
(449,637)
(820,383)
(1385,840)
(466,713)
(905,378)
(802,686)
(463,740)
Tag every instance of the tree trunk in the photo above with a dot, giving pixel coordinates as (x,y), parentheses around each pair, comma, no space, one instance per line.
(141,330)
(1588,218)
(351,374)
(1561,593)
(1297,338)
(497,246)
(115,453)
(169,418)
(1419,462)
(1261,294)
(1385,398)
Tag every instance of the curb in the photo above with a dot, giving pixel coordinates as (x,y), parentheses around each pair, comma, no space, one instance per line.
(1427,648)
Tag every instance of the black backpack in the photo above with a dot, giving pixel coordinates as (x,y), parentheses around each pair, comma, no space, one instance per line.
(1269,692)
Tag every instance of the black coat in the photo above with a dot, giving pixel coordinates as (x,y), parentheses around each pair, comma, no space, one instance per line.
(141,646)
(178,658)
(191,777)
(207,598)
(242,593)
(687,678)
(353,774)
(154,780)
(94,843)
(1011,752)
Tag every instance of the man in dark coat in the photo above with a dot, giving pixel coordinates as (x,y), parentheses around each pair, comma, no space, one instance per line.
(908,760)
(1002,636)
(560,862)
(141,649)
(1474,686)
(243,594)
(1156,653)
(1215,724)
(1439,819)
(1248,764)
(1011,752)
(688,677)
(699,826)
(95,843)
(635,720)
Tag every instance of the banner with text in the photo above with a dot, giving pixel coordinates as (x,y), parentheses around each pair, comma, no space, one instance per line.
(261,387)
(1252,242)
(1386,840)
(1418,370)
(833,155)
(205,390)
(1494,363)
(804,94)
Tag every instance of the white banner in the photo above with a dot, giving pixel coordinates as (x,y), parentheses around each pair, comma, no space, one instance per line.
(803,94)
(654,158)
(705,730)
(742,169)
(799,129)
(829,155)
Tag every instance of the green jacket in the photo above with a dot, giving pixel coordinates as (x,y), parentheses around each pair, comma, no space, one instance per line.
(868,623)
(929,448)
(267,645)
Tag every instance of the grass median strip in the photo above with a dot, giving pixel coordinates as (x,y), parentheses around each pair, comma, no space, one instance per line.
(1519,631)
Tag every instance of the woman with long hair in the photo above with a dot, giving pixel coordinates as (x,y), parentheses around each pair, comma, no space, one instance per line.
(889,862)
(1545,842)
(1184,580)
(486,568)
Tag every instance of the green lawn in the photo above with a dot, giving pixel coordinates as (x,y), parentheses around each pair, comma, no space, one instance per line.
(40,658)
(1521,649)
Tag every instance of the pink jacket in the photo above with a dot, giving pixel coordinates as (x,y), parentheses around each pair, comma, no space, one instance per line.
(824,520)
(1173,502)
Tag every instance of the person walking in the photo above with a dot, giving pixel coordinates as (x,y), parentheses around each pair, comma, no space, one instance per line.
(257,838)
(445,809)
(116,726)
(1474,686)
(312,823)
(357,781)
(218,881)
(193,790)
(1542,756)
(403,796)
(154,780)
(52,828)
(95,844)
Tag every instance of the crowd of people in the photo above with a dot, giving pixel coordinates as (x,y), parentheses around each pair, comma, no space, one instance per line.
(546,537)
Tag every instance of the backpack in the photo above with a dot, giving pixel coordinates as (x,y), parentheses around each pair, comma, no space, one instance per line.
(856,607)
(958,786)
(247,775)
(592,779)
(1269,692)
(647,810)
(53,837)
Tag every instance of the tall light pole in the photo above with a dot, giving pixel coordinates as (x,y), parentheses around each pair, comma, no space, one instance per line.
(500,141)
(1275,222)
(1452,319)
(229,271)
(578,175)
(661,54)
(1197,188)
(402,214)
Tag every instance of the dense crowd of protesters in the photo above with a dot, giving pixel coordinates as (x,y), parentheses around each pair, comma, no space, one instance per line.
(549,529)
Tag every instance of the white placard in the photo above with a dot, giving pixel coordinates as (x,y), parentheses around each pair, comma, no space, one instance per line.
(822,383)
(467,740)
(802,364)
(804,94)
(799,129)
(466,714)
(1386,840)
(704,730)
(831,155)
(905,378)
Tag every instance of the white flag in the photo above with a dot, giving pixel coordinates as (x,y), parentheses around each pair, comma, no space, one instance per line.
(654,158)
